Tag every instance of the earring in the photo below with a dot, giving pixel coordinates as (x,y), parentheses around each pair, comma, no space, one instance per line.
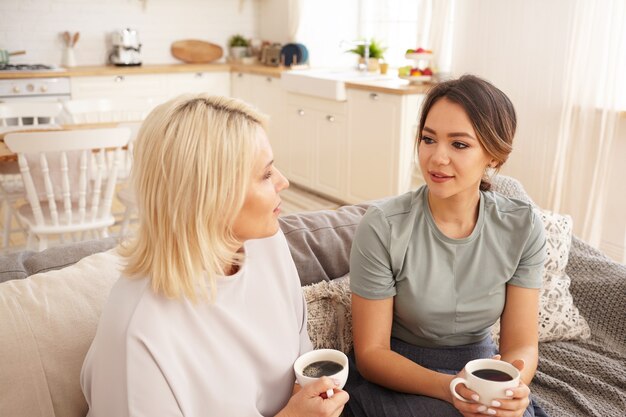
(489,171)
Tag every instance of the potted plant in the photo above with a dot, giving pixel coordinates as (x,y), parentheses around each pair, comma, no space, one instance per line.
(238,47)
(376,52)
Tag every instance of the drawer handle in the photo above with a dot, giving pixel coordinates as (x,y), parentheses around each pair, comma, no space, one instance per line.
(374,96)
(240,75)
(199,74)
(330,118)
(300,112)
(269,79)
(119,79)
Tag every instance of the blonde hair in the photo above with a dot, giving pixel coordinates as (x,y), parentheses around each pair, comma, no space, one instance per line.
(192,163)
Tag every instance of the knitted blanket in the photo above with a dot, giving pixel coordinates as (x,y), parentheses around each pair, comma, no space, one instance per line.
(585,378)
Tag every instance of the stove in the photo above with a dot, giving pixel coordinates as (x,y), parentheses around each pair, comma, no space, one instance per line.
(30,68)
(35,89)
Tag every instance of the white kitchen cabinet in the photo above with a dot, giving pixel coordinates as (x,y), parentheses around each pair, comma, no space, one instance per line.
(242,86)
(318,133)
(300,153)
(382,129)
(153,86)
(158,87)
(267,95)
(215,83)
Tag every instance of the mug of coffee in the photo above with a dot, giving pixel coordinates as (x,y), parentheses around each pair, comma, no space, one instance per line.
(489,378)
(322,362)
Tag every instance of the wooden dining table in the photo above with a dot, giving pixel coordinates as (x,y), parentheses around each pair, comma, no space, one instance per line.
(6,155)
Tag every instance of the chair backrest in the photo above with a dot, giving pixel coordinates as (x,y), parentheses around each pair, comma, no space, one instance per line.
(67,178)
(127,158)
(22,113)
(107,110)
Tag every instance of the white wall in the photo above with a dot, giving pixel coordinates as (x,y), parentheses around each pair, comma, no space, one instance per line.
(273,21)
(35,25)
(520,46)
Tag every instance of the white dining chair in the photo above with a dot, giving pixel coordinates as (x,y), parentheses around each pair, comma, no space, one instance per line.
(16,116)
(125,195)
(28,114)
(66,195)
(107,110)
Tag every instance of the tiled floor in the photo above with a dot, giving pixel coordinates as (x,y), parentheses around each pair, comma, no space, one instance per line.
(295,200)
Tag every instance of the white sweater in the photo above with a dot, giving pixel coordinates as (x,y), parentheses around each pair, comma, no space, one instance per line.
(154,356)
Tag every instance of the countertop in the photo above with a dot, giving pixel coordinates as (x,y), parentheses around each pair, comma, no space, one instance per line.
(103,70)
(390,86)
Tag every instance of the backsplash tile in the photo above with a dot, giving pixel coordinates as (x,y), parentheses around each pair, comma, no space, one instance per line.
(36,25)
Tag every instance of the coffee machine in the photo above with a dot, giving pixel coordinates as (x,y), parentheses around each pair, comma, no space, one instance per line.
(126,48)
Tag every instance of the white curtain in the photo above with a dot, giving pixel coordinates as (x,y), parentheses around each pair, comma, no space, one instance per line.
(293,19)
(595,93)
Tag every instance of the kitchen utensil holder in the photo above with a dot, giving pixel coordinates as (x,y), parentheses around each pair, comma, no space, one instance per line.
(69,58)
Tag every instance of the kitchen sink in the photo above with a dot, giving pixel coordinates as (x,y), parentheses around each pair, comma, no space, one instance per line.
(325,83)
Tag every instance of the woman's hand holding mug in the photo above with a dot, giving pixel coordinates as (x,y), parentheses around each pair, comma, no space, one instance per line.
(321,374)
(490,387)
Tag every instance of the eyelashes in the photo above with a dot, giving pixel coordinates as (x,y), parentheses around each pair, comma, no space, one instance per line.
(458,145)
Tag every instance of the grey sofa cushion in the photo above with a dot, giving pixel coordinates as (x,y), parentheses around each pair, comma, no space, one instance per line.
(320,241)
(20,265)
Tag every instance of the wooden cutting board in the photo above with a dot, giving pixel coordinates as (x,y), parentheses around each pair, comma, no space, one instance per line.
(193,51)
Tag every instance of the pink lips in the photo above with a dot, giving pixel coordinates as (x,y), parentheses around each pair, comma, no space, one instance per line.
(439,177)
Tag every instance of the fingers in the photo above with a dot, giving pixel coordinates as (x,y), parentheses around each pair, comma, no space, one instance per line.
(466,393)
(327,388)
(513,406)
(496,357)
(469,409)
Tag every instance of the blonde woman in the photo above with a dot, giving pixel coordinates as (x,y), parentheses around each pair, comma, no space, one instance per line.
(208,317)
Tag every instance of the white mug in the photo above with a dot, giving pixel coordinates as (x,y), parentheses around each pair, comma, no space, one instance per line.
(322,355)
(487,389)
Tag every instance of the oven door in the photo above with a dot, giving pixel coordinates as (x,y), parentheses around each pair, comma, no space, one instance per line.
(34,89)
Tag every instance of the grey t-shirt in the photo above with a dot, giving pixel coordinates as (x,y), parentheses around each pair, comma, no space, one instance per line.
(448,292)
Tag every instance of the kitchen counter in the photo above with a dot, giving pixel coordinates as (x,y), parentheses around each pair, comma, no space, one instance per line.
(258,69)
(97,70)
(391,86)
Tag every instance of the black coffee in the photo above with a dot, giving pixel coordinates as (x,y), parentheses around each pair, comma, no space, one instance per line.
(321,368)
(492,375)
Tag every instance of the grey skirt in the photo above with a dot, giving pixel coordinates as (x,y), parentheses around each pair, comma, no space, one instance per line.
(371,400)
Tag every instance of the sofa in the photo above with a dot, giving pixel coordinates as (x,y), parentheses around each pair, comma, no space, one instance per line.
(50,302)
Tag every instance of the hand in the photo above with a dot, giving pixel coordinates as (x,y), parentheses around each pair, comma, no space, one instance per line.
(311,401)
(516,403)
(513,406)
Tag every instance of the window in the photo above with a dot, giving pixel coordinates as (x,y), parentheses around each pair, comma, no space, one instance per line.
(397,24)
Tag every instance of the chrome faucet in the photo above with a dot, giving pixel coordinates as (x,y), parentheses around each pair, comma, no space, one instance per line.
(366,51)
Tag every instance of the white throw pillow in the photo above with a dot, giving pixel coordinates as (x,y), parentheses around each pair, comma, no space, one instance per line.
(48,323)
(559,318)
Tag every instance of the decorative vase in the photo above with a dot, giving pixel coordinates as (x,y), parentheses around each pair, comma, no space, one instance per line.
(237,53)
(373,64)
